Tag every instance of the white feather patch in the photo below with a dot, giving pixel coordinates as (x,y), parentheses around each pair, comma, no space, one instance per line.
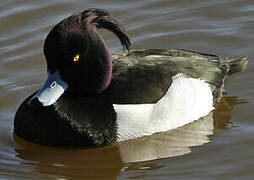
(186,100)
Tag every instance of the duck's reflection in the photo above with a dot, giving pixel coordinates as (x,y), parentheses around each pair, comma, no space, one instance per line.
(93,163)
(179,141)
(109,161)
(167,144)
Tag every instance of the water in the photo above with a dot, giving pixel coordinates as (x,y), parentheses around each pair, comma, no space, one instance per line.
(220,146)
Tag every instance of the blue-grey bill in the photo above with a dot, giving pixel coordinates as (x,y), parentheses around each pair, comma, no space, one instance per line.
(52,89)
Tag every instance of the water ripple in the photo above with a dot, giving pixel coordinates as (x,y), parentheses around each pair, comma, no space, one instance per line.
(221,27)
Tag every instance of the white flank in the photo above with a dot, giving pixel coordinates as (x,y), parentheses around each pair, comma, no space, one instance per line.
(186,100)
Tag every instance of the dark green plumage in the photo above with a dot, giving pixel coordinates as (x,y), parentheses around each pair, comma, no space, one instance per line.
(147,73)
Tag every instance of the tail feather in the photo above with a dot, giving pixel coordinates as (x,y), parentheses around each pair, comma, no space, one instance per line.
(237,65)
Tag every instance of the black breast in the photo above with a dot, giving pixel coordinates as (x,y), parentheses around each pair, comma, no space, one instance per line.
(69,122)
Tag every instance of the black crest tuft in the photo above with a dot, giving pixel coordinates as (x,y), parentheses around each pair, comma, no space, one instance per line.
(101,19)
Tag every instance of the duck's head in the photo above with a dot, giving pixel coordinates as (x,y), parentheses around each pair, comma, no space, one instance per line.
(78,61)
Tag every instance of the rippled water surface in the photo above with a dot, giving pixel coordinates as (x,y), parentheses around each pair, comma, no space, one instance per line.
(219,146)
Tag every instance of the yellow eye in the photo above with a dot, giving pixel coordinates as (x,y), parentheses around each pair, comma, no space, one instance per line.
(76,58)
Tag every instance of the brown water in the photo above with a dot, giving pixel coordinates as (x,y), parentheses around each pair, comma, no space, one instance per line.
(219,146)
